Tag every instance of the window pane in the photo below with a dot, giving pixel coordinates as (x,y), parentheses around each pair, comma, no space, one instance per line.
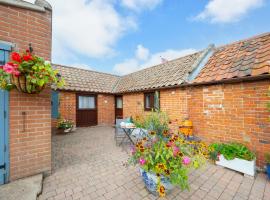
(86,102)
(147,101)
(119,102)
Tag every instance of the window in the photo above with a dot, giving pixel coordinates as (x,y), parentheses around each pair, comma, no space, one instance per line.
(149,101)
(119,102)
(87,102)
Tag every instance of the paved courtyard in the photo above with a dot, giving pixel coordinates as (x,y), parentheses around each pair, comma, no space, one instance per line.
(88,165)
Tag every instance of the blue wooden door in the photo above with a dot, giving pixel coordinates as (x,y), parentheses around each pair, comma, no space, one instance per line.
(55,104)
(4,125)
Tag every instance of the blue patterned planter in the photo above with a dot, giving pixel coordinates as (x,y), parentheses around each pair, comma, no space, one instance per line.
(268,170)
(150,181)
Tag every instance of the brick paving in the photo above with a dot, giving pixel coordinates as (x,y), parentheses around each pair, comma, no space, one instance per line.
(88,165)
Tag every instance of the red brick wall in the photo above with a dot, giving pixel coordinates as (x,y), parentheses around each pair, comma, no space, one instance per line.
(174,103)
(21,27)
(105,105)
(133,104)
(232,112)
(106,109)
(30,134)
(30,115)
(67,107)
(224,112)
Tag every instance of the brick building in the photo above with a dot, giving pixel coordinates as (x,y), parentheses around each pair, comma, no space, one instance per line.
(25,139)
(223,90)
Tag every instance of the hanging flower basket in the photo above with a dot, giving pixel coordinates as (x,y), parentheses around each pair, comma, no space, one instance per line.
(28,73)
(25,86)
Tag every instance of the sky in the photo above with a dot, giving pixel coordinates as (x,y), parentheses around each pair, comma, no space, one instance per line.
(123,36)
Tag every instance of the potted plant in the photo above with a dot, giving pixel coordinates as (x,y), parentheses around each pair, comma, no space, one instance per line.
(165,158)
(28,73)
(267,160)
(65,125)
(235,156)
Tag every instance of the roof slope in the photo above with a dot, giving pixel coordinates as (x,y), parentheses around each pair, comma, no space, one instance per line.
(86,80)
(250,57)
(171,73)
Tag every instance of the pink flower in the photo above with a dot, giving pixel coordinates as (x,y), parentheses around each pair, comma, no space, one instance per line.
(175,151)
(142,161)
(8,68)
(16,73)
(186,160)
(132,150)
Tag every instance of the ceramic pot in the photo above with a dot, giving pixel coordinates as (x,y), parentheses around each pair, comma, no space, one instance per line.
(268,170)
(150,180)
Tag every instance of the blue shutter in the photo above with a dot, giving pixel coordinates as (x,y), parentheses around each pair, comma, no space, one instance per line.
(4,122)
(55,104)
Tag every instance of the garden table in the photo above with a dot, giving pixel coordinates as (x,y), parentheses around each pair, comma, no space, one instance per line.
(128,132)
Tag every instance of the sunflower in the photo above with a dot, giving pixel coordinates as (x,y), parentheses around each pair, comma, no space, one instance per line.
(165,133)
(161,166)
(152,132)
(161,191)
(167,172)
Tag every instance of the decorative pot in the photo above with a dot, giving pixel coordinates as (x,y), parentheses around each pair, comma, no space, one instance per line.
(23,85)
(268,170)
(151,182)
(240,165)
(64,131)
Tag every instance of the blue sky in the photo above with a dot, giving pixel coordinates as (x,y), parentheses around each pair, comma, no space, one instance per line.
(122,36)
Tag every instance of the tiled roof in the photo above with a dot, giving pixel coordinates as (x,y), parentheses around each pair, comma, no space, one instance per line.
(250,57)
(86,80)
(171,73)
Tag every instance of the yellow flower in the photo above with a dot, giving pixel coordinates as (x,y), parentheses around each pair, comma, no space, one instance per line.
(161,191)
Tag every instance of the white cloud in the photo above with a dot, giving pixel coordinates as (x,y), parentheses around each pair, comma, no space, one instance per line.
(135,64)
(90,29)
(225,11)
(142,53)
(138,5)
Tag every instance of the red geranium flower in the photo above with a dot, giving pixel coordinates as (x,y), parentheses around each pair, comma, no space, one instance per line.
(16,57)
(27,57)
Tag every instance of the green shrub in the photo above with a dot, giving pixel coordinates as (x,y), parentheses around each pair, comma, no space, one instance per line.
(230,151)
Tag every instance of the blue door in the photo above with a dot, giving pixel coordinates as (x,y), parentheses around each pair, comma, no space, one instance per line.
(4,125)
(55,104)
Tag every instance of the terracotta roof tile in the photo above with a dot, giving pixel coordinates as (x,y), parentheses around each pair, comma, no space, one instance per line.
(171,73)
(249,57)
(85,80)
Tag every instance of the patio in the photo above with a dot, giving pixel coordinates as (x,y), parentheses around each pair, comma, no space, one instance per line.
(88,165)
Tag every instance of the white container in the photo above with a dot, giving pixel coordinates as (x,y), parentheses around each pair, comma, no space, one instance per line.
(244,166)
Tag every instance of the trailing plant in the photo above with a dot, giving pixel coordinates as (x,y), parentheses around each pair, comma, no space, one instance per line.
(169,156)
(28,73)
(267,158)
(230,151)
(65,124)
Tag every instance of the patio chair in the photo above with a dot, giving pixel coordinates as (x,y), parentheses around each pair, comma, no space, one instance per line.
(119,135)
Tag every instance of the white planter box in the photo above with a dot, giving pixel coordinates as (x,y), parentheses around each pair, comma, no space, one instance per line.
(244,166)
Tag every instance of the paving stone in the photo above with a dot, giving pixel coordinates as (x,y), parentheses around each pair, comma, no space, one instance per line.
(88,165)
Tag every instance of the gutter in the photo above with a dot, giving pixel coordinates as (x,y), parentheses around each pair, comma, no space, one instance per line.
(39,6)
(224,81)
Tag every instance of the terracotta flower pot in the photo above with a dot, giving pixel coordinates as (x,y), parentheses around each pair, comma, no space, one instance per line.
(25,86)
